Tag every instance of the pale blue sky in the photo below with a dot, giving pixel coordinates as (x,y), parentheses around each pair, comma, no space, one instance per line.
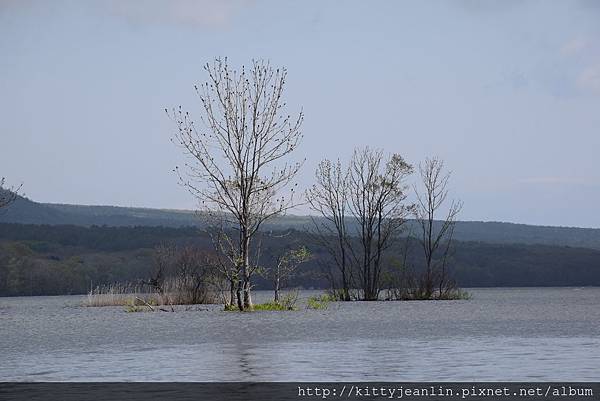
(507,92)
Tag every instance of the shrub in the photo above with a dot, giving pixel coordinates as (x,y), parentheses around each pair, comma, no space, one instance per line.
(340,295)
(187,290)
(286,303)
(319,302)
(289,300)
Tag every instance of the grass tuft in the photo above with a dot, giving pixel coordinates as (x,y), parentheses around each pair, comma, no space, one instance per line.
(272,306)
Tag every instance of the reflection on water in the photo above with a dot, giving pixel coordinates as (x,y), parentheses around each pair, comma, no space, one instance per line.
(501,334)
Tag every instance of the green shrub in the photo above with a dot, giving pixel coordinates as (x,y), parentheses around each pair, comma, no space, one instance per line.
(289,300)
(319,302)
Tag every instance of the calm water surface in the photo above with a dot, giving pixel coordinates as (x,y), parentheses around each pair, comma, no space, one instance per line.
(535,334)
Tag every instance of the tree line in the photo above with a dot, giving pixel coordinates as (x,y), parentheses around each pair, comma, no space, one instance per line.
(55,260)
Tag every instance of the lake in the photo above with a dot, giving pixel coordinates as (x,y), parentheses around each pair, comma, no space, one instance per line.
(504,334)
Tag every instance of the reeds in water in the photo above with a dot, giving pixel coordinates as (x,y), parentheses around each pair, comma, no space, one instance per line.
(173,291)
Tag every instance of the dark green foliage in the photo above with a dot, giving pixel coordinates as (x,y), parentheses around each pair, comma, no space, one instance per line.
(51,260)
(25,211)
(97,238)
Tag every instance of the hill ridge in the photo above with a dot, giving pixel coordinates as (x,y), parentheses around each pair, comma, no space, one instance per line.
(26,211)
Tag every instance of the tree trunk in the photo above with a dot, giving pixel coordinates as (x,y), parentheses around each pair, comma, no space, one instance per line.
(240,304)
(429,282)
(232,296)
(244,286)
(247,295)
(276,297)
(345,286)
(246,271)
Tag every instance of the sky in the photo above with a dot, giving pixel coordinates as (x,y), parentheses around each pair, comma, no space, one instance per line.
(506,92)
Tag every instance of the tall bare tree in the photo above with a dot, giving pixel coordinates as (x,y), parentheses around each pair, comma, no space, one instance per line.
(8,194)
(377,192)
(436,236)
(329,198)
(164,258)
(371,190)
(238,166)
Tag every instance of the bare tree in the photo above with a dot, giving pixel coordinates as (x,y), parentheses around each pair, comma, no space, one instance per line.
(377,192)
(195,274)
(8,194)
(184,274)
(238,166)
(164,258)
(285,266)
(435,236)
(372,191)
(329,198)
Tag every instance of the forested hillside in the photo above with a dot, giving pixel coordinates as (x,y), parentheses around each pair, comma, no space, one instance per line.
(25,211)
(49,260)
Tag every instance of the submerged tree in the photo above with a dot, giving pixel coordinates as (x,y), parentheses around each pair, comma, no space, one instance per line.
(377,192)
(329,198)
(436,236)
(371,191)
(238,165)
(228,264)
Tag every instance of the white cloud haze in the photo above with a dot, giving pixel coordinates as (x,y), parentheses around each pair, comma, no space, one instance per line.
(507,92)
(203,13)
